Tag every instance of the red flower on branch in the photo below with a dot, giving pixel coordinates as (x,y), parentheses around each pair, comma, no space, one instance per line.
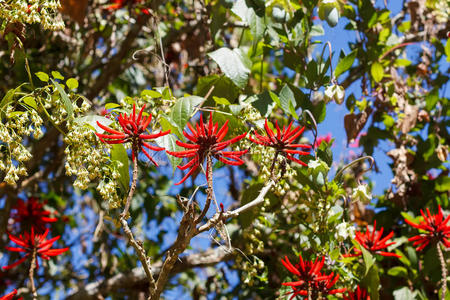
(373,242)
(206,139)
(359,294)
(134,128)
(435,227)
(118,4)
(33,242)
(31,214)
(320,139)
(10,296)
(282,141)
(310,278)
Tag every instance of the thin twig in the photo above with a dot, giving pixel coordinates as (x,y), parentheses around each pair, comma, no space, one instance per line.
(209,192)
(444,271)
(137,245)
(31,274)
(372,161)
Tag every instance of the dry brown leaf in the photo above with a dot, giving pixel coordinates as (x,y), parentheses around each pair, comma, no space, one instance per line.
(410,118)
(75,9)
(355,123)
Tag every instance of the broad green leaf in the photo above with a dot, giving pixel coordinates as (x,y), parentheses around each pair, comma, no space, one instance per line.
(264,103)
(220,100)
(345,63)
(111,105)
(287,99)
(234,64)
(253,15)
(66,101)
(372,282)
(377,72)
(447,50)
(249,194)
(119,153)
(169,143)
(183,109)
(9,96)
(92,121)
(431,99)
(57,75)
(72,83)
(398,271)
(223,87)
(368,259)
(15,113)
(42,76)
(151,93)
(30,102)
(443,184)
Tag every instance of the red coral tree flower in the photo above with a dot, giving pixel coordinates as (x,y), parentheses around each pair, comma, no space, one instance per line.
(134,128)
(31,214)
(320,139)
(10,296)
(118,4)
(324,287)
(373,242)
(359,294)
(30,243)
(207,140)
(283,141)
(436,229)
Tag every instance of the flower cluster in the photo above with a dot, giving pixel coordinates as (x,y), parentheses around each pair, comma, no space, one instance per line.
(33,11)
(118,4)
(311,282)
(359,294)
(435,230)
(207,139)
(32,219)
(373,242)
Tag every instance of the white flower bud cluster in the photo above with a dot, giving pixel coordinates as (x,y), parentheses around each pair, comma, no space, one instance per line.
(86,160)
(13,152)
(362,193)
(250,113)
(343,231)
(44,12)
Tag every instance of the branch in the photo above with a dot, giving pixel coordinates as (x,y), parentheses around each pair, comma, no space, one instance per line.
(137,277)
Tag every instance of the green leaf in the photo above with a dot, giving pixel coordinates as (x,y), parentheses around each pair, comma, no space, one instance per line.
(57,75)
(234,64)
(345,63)
(119,153)
(254,16)
(372,282)
(264,103)
(442,184)
(66,101)
(368,259)
(223,87)
(169,143)
(377,72)
(431,99)
(398,271)
(249,194)
(111,105)
(287,99)
(72,83)
(42,76)
(91,120)
(447,50)
(15,113)
(220,100)
(151,94)
(183,109)
(28,100)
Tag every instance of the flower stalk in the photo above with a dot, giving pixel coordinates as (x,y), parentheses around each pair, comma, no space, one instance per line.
(31,274)
(443,270)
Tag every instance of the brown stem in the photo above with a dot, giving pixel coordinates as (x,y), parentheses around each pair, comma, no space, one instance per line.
(31,274)
(272,167)
(209,192)
(137,245)
(443,269)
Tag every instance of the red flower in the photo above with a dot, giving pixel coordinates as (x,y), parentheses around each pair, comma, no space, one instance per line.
(435,227)
(372,241)
(282,141)
(359,294)
(31,214)
(134,131)
(34,242)
(118,4)
(310,278)
(10,296)
(207,140)
(321,139)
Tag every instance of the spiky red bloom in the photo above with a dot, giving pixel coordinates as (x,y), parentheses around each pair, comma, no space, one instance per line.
(10,296)
(435,227)
(134,128)
(373,242)
(31,214)
(206,139)
(359,294)
(324,138)
(30,242)
(283,141)
(118,4)
(310,278)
